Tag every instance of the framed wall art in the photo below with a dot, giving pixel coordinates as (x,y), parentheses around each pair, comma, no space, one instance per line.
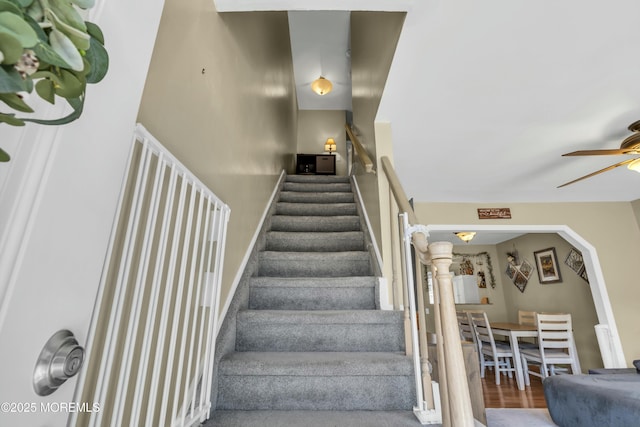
(520,280)
(574,260)
(547,264)
(525,268)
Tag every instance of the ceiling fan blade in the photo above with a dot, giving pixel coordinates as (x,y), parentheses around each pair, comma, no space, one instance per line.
(608,168)
(602,152)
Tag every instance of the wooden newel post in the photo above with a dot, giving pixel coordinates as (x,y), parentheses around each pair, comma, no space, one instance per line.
(456,374)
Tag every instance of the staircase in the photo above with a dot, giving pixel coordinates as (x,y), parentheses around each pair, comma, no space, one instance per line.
(311,336)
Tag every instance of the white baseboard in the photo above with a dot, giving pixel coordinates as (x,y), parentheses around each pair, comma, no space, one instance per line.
(247,255)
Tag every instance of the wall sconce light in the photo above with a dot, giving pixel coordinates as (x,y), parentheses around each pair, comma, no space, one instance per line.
(465,236)
(634,165)
(321,86)
(330,145)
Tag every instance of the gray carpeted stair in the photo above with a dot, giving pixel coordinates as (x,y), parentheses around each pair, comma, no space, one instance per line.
(311,336)
(312,293)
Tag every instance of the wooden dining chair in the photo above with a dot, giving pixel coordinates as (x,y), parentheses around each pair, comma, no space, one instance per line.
(466,330)
(527,318)
(492,354)
(556,348)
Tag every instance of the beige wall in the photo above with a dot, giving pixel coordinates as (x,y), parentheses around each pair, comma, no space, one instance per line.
(611,228)
(572,295)
(497,307)
(220,96)
(315,126)
(635,205)
(374,36)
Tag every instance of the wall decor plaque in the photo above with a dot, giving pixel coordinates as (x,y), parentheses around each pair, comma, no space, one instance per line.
(494,213)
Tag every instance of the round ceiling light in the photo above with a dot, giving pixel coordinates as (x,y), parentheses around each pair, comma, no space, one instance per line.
(321,86)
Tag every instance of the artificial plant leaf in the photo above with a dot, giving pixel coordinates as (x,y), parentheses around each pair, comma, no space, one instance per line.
(95,31)
(70,86)
(11,49)
(47,55)
(11,81)
(64,47)
(45,89)
(44,74)
(76,103)
(42,36)
(9,6)
(35,11)
(84,4)
(98,60)
(15,26)
(10,119)
(79,38)
(24,3)
(15,102)
(4,156)
(67,14)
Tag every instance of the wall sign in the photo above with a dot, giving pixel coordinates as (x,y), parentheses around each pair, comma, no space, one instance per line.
(494,213)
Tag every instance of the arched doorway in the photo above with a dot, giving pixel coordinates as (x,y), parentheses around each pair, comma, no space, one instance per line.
(606,330)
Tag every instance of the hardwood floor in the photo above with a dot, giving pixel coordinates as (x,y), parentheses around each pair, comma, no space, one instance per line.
(507,395)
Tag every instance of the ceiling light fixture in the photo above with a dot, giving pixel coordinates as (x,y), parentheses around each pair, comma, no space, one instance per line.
(634,165)
(465,236)
(321,86)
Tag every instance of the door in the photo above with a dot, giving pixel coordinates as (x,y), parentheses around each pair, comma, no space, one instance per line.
(57,202)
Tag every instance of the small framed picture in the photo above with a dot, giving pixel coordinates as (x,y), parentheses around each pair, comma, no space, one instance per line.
(583,274)
(520,281)
(547,265)
(574,260)
(525,268)
(511,271)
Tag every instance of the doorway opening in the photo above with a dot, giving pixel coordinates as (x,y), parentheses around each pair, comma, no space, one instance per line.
(606,330)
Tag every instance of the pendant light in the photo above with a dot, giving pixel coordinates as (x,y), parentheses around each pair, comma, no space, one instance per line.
(321,86)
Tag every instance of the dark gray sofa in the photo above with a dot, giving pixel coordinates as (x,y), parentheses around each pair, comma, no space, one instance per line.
(608,400)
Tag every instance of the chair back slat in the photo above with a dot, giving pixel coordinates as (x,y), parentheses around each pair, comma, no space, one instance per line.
(527,317)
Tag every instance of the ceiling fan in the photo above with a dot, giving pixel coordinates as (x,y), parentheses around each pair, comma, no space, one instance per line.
(630,145)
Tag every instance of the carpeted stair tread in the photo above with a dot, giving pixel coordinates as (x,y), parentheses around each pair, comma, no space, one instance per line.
(340,187)
(316,363)
(313,293)
(314,282)
(308,264)
(315,223)
(317,178)
(332,330)
(309,418)
(287,241)
(321,317)
(316,197)
(316,209)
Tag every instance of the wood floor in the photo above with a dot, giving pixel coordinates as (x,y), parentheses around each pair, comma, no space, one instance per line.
(507,395)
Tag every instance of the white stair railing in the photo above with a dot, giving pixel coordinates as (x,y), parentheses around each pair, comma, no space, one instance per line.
(152,337)
(451,405)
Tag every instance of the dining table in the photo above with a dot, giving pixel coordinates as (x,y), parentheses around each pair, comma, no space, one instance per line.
(515,331)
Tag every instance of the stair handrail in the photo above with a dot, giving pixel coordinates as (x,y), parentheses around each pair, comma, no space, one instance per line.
(365,160)
(456,409)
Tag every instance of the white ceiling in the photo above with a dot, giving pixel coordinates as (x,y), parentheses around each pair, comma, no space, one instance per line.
(483,237)
(320,47)
(485,97)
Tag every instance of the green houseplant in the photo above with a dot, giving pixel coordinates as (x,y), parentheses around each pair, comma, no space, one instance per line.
(48,48)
